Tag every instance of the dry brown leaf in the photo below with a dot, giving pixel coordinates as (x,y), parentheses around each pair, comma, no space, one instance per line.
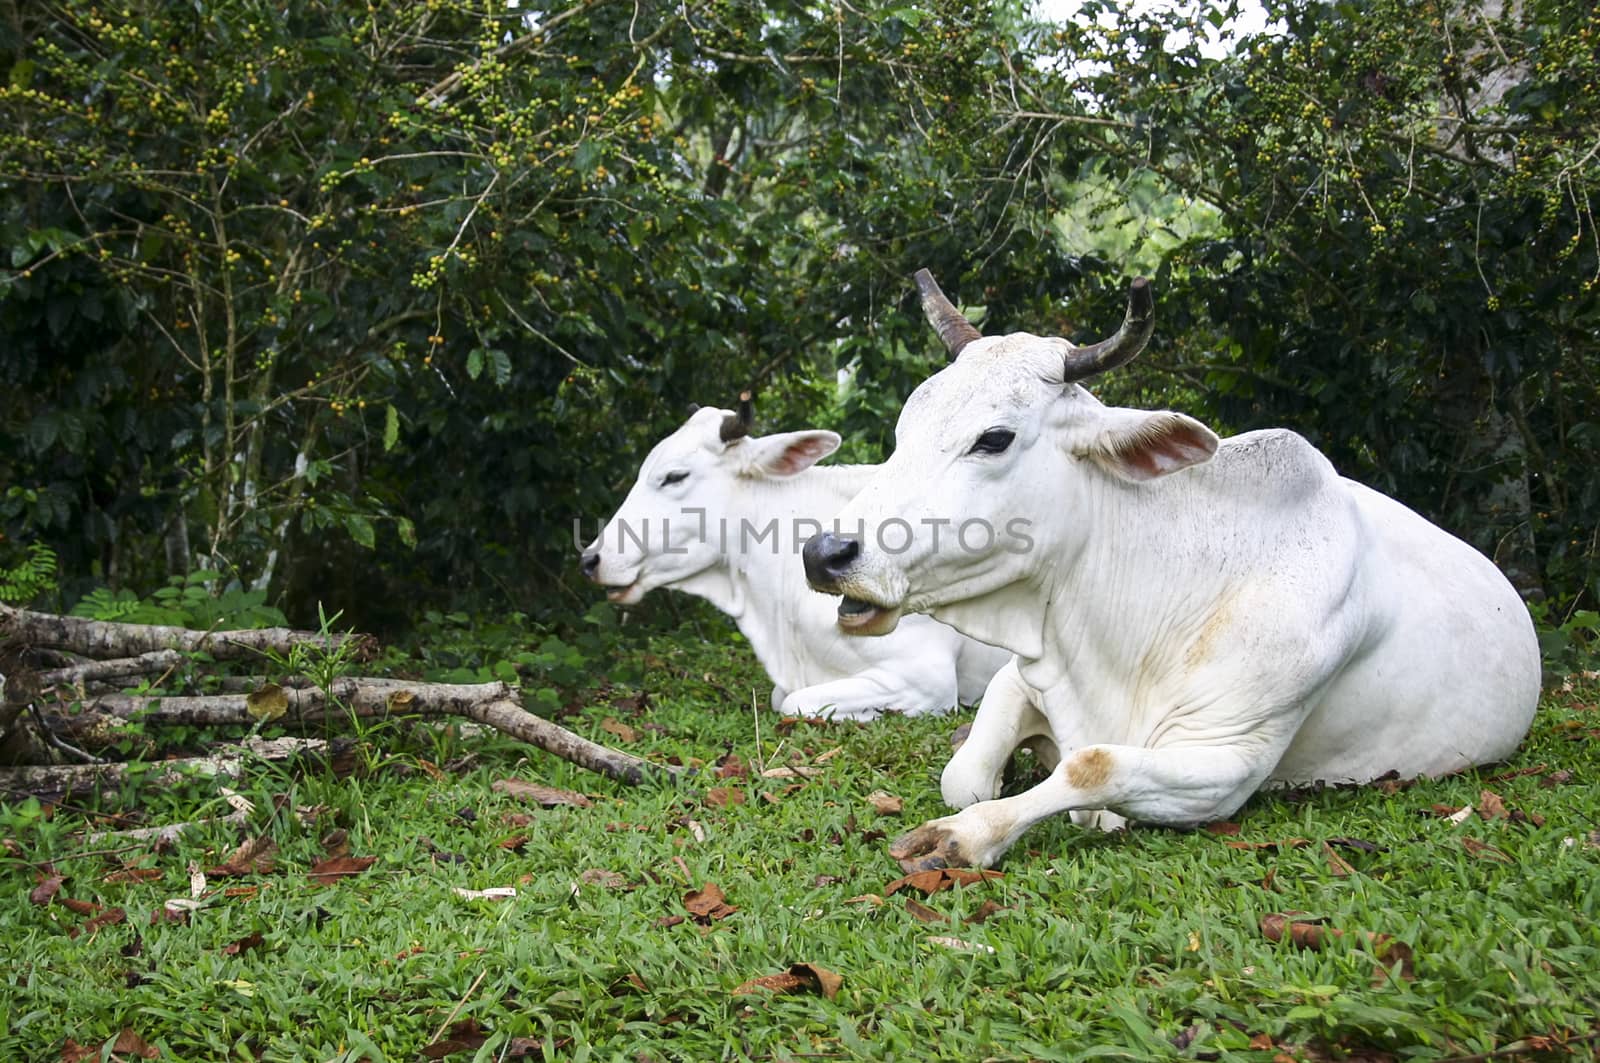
(1262,1042)
(1225,828)
(1485,851)
(46,890)
(824,757)
(732,766)
(866,898)
(1490,806)
(1336,863)
(515,843)
(800,977)
(1313,935)
(1286,843)
(671,920)
(723,796)
(791,771)
(931,882)
(613,726)
(254,856)
(884,803)
(336,842)
(134,874)
(922,913)
(267,703)
(131,1044)
(326,872)
(985,910)
(548,796)
(597,876)
(244,944)
(109,917)
(708,903)
(72,904)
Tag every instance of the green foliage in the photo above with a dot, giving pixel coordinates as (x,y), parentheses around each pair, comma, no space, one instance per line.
(186,601)
(32,576)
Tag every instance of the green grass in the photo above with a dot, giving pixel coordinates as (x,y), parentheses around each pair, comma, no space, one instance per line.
(1124,945)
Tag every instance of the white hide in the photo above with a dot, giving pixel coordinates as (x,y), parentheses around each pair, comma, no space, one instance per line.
(1190,625)
(730,532)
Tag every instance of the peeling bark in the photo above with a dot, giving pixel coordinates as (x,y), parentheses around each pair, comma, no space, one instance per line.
(103,638)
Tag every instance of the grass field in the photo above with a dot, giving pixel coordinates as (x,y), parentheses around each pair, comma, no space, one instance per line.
(1139,945)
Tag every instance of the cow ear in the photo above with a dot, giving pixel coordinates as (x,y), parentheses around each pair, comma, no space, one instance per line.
(1137,445)
(786,453)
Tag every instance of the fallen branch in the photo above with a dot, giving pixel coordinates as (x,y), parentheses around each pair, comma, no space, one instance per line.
(117,668)
(102,639)
(228,762)
(494,704)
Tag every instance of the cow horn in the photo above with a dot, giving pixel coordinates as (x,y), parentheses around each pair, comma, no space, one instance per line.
(954,329)
(1123,345)
(737,425)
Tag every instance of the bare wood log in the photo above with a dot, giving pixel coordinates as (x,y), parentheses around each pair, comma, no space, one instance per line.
(229,762)
(494,704)
(167,834)
(117,668)
(104,638)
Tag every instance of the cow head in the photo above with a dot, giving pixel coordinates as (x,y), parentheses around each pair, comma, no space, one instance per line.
(998,457)
(689,481)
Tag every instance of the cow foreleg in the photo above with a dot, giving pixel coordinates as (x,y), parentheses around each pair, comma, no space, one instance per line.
(865,697)
(1007,718)
(1177,787)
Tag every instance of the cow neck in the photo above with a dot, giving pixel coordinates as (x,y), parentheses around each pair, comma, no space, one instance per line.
(758,581)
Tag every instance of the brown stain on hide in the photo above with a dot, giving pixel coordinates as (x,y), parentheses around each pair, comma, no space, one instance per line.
(1088,769)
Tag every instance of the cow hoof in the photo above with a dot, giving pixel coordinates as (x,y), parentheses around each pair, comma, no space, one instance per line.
(927,848)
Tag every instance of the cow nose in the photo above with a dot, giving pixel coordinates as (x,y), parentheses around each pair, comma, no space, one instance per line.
(827,556)
(591,564)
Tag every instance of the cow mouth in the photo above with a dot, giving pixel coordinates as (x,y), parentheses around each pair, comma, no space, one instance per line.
(624,595)
(860,617)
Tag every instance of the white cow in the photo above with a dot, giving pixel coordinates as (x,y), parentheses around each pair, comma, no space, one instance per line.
(1193,618)
(721,515)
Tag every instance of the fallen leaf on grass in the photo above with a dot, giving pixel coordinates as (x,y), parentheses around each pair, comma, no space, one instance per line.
(1312,936)
(866,898)
(516,843)
(1555,778)
(548,796)
(1223,828)
(1485,851)
(708,904)
(467,1035)
(958,944)
(109,917)
(324,872)
(1336,863)
(884,803)
(1490,806)
(72,904)
(129,1043)
(336,842)
(610,880)
(134,874)
(723,796)
(253,857)
(800,977)
(931,882)
(1286,843)
(985,910)
(244,944)
(46,890)
(922,913)
(493,893)
(732,766)
(613,726)
(795,771)
(823,758)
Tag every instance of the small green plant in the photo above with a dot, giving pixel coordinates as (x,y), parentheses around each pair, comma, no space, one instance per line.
(34,575)
(186,601)
(1570,643)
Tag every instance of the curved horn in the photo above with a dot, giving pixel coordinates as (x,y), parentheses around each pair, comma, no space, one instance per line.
(737,425)
(1123,345)
(954,329)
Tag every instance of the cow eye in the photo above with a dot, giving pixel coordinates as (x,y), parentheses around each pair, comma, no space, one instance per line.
(674,478)
(994,441)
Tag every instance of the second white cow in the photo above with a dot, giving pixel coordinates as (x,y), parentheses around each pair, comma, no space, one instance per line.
(721,514)
(1193,617)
